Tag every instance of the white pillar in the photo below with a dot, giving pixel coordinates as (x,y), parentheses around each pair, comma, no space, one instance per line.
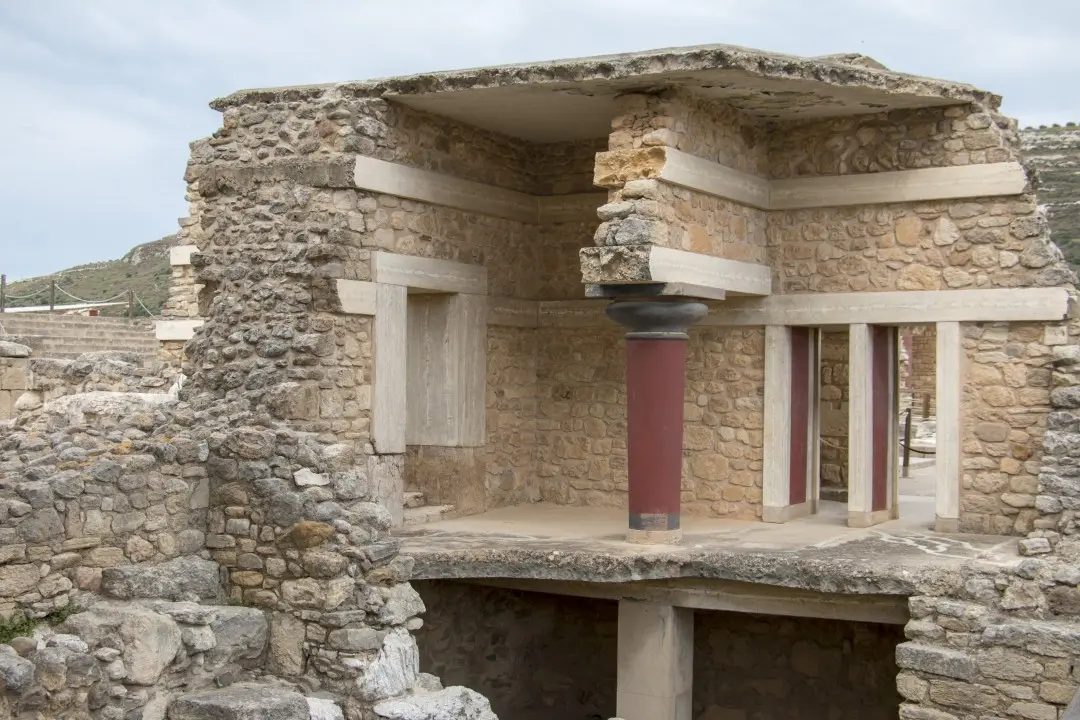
(948,454)
(776,457)
(655,661)
(860,426)
(388,399)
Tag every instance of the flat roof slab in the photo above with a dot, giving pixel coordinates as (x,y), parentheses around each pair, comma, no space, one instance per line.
(573,99)
(552,542)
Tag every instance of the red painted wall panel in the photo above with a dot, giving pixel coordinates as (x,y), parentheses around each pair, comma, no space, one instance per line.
(800,413)
(881,371)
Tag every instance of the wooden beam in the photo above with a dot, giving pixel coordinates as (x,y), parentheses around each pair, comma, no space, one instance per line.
(947,183)
(427,274)
(726,596)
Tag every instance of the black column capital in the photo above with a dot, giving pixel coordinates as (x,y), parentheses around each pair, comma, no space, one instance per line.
(657,320)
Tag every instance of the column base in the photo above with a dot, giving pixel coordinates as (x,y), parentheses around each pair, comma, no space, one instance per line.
(654,537)
(946,524)
(785,513)
(857,519)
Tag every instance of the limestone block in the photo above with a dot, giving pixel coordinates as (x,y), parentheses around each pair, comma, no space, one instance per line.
(241,702)
(178,579)
(395,669)
(453,703)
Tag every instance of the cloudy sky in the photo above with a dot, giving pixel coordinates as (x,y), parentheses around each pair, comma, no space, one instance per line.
(101,97)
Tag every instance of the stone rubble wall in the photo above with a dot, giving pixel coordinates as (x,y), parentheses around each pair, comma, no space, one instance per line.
(995,641)
(833,414)
(581,458)
(1005,407)
(518,647)
(921,369)
(656,212)
(14,378)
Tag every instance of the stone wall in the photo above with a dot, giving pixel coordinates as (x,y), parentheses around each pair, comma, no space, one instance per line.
(771,667)
(922,361)
(582,419)
(539,656)
(535,656)
(1002,641)
(13,381)
(1005,406)
(833,417)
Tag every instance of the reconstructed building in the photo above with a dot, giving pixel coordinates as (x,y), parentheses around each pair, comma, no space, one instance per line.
(597,334)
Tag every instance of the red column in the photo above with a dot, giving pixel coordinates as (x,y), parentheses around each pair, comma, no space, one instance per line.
(655,386)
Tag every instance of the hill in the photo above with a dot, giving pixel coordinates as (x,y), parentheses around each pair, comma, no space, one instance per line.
(144,269)
(1055,151)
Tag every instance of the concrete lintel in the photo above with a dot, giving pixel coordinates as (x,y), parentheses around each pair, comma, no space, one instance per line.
(615,292)
(644,264)
(614,168)
(513,312)
(356,297)
(181,254)
(694,173)
(577,207)
(438,188)
(913,307)
(172,330)
(726,596)
(573,313)
(946,183)
(428,274)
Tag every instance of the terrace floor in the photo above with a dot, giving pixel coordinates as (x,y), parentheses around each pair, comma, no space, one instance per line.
(551,542)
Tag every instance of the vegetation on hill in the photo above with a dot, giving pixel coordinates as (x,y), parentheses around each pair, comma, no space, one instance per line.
(1055,151)
(144,269)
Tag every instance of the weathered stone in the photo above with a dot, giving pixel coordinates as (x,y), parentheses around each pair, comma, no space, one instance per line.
(401,603)
(308,534)
(394,670)
(240,702)
(286,645)
(181,578)
(356,640)
(16,673)
(453,703)
(935,660)
(241,636)
(16,580)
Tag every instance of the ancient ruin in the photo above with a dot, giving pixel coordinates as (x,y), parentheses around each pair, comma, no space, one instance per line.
(573,387)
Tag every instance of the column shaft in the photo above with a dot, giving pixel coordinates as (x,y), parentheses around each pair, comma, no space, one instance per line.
(655,662)
(655,384)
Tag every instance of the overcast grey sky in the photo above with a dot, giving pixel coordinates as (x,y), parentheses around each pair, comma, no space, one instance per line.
(101,97)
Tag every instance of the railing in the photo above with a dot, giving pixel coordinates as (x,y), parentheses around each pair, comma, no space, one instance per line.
(131,299)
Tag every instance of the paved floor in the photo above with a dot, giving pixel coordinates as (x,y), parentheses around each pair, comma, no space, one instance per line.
(543,541)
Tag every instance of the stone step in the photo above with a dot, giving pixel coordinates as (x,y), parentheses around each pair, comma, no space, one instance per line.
(414,499)
(426,514)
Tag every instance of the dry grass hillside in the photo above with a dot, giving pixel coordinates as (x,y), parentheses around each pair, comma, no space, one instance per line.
(144,269)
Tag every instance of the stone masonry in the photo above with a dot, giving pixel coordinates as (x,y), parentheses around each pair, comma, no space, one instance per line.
(221,545)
